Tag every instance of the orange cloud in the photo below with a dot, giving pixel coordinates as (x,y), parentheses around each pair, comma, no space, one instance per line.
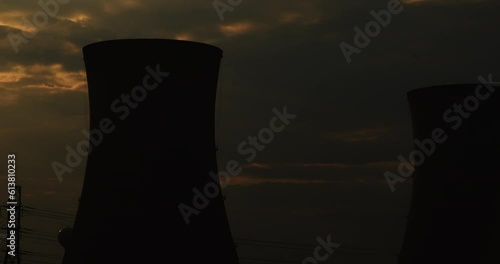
(237,28)
(15,74)
(52,77)
(14,19)
(184,36)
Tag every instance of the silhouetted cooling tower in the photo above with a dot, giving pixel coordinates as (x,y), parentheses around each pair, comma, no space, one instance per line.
(153,101)
(454,213)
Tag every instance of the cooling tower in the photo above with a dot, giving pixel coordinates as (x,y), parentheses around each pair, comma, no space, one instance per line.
(454,212)
(152,149)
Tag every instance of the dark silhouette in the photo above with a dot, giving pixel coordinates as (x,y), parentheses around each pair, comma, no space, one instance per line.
(157,145)
(454,213)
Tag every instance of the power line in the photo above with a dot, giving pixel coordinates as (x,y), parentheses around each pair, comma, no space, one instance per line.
(42,243)
(39,219)
(272,260)
(272,246)
(42,237)
(27,230)
(42,261)
(276,242)
(50,215)
(344,249)
(38,238)
(36,261)
(51,211)
(37,235)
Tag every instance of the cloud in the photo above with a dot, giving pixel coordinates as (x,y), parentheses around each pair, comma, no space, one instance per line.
(50,78)
(237,28)
(276,53)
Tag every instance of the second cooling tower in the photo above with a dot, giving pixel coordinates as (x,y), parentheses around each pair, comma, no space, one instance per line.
(455,209)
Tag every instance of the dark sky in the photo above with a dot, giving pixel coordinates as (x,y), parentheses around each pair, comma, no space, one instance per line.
(324,173)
